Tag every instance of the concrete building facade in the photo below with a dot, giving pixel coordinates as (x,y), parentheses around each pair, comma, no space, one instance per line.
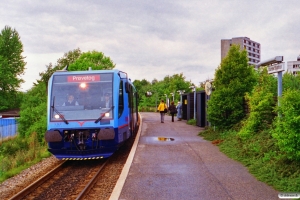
(293,66)
(252,48)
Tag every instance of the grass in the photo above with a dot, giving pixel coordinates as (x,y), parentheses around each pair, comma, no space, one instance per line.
(18,154)
(192,122)
(261,156)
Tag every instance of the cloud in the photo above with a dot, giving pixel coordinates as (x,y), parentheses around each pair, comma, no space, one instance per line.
(151,39)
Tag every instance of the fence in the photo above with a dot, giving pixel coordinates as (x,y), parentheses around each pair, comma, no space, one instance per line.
(8,128)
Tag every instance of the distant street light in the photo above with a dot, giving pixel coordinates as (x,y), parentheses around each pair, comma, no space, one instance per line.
(172,95)
(181,92)
(194,90)
(166,99)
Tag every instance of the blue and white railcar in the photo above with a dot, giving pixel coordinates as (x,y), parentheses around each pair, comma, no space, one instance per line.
(88,129)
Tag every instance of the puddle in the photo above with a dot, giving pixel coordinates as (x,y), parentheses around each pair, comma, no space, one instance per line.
(165,139)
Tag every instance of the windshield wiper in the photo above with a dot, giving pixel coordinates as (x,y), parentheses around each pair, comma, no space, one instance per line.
(59,114)
(103,114)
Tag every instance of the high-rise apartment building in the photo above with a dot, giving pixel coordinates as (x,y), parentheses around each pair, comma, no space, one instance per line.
(252,47)
(293,66)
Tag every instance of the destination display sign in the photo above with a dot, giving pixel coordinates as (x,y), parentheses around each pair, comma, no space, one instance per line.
(83,78)
(279,67)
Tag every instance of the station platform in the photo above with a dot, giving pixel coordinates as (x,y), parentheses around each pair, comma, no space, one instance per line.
(170,161)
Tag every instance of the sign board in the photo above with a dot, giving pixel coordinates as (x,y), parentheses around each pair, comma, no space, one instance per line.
(83,78)
(279,67)
(208,88)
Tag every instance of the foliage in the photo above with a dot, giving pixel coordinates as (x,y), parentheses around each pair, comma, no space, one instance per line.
(170,84)
(233,79)
(33,112)
(96,60)
(260,156)
(19,153)
(12,65)
(291,82)
(287,124)
(192,122)
(67,59)
(262,105)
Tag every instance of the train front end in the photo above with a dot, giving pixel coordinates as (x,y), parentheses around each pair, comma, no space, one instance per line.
(84,120)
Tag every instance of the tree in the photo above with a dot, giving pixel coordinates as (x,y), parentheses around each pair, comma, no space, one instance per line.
(262,105)
(33,112)
(170,84)
(96,60)
(12,65)
(67,59)
(233,78)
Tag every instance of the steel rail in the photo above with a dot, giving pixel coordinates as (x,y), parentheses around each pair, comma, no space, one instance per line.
(37,183)
(91,183)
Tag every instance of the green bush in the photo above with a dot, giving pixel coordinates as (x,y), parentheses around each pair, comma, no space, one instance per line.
(192,122)
(287,124)
(11,147)
(262,104)
(16,154)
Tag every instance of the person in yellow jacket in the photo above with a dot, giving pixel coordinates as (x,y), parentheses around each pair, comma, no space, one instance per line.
(161,108)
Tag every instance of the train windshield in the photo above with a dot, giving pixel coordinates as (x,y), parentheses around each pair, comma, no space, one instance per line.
(81,97)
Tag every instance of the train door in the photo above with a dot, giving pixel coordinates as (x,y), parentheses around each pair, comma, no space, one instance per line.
(131,116)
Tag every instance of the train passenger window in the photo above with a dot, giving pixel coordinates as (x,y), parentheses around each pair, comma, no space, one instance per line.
(121,99)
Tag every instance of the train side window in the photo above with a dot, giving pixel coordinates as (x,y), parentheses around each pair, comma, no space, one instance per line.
(121,99)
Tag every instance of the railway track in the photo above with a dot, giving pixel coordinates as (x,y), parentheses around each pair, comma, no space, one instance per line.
(69,180)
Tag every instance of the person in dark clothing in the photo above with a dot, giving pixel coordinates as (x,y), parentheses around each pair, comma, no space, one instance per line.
(71,101)
(107,102)
(172,110)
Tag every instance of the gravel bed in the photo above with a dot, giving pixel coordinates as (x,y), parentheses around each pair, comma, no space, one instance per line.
(15,184)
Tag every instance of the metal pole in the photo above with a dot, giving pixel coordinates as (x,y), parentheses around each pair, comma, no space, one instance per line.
(181,99)
(156,100)
(166,99)
(279,85)
(195,104)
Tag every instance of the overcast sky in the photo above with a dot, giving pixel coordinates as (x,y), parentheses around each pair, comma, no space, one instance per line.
(151,39)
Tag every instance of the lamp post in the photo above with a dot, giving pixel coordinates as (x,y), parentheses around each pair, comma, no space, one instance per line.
(181,92)
(166,99)
(156,100)
(172,95)
(194,90)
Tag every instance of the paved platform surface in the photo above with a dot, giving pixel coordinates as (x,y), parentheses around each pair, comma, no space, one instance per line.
(172,162)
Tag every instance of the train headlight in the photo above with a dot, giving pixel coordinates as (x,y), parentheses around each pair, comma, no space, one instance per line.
(56,116)
(83,85)
(106,114)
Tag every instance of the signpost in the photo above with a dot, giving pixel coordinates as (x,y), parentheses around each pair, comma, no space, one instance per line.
(275,65)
